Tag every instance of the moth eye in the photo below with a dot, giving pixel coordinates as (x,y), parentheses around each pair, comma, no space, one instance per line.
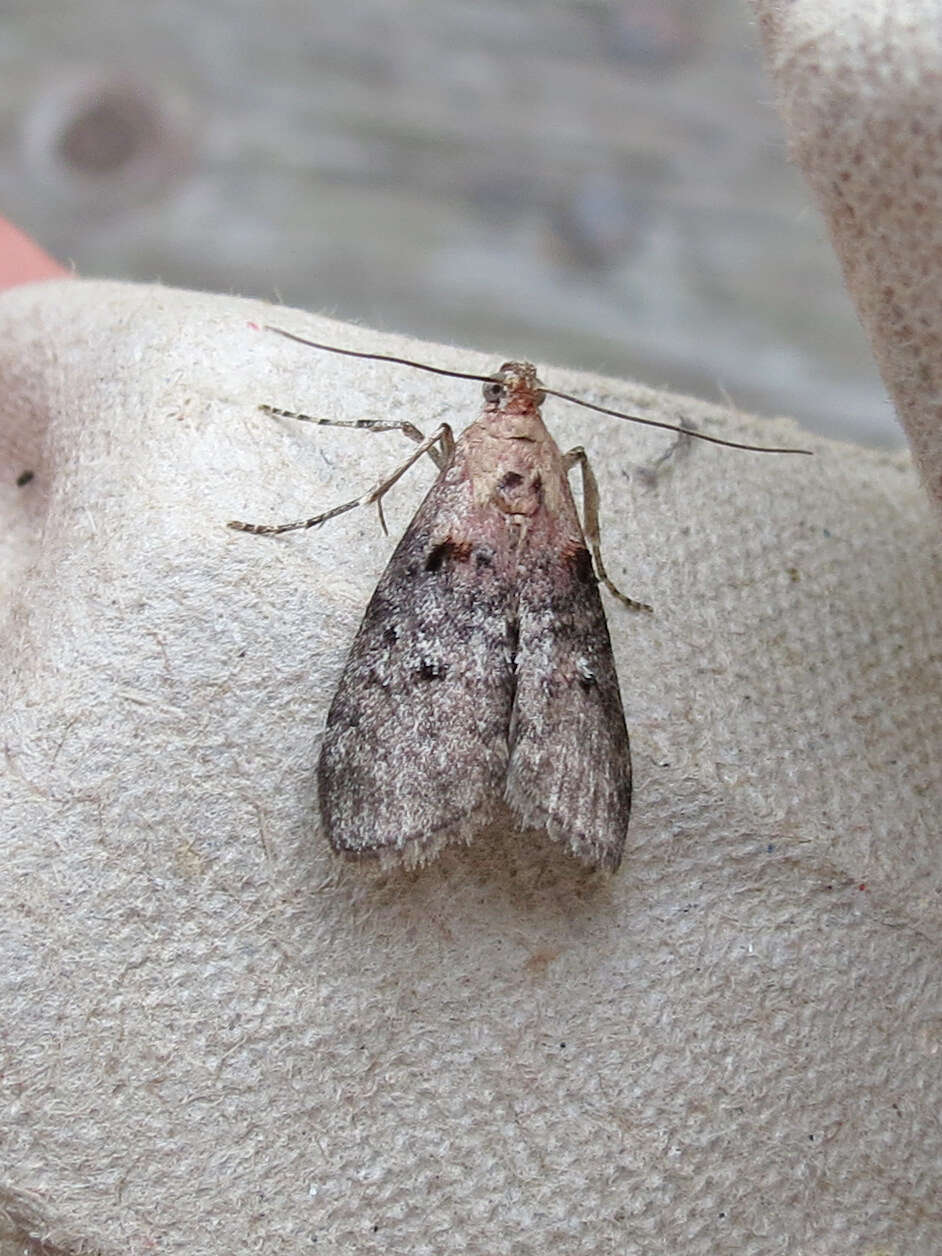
(493,390)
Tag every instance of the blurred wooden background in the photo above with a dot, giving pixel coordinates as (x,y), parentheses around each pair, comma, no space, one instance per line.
(599,183)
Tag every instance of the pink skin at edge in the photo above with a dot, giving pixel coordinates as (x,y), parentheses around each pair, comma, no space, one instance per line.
(23,261)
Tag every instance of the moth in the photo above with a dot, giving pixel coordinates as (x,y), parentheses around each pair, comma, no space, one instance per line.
(481,683)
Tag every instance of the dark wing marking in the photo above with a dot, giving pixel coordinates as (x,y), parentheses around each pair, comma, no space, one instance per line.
(570,765)
(415,750)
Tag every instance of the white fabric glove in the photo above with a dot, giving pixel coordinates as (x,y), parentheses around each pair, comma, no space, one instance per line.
(217,1038)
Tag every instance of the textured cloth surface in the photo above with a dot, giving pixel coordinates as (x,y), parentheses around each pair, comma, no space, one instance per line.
(858,88)
(216,1038)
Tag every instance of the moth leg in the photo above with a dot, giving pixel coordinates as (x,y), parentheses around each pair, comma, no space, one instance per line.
(442,437)
(590,522)
(367,425)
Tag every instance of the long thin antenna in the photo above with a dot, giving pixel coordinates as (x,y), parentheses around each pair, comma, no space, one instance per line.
(670,427)
(550,392)
(377,357)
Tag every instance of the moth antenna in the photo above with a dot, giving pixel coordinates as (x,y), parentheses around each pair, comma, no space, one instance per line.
(550,392)
(377,357)
(672,427)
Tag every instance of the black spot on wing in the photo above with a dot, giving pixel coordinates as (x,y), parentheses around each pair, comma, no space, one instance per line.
(580,561)
(447,551)
(432,669)
(586,675)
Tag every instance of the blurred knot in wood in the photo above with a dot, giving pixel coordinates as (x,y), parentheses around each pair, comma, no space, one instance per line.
(111,140)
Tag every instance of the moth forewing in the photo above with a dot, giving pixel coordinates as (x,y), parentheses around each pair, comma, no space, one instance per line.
(415,747)
(570,765)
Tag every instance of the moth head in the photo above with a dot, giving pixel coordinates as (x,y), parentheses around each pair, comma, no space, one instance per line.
(516,385)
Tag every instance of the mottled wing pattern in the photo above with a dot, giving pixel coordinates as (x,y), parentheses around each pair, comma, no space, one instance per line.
(570,765)
(416,744)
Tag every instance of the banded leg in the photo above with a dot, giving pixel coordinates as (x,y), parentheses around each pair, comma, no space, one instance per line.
(590,523)
(442,437)
(366,425)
